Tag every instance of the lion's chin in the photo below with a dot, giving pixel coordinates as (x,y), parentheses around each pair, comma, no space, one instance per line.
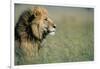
(52,33)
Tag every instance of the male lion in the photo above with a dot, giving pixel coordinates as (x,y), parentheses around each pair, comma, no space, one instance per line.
(32,27)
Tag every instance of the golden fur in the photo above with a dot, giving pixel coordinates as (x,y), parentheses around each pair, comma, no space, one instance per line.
(32,27)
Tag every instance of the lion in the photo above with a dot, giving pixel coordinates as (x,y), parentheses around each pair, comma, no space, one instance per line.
(31,29)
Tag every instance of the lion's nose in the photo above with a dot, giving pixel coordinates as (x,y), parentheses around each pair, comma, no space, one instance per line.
(54,26)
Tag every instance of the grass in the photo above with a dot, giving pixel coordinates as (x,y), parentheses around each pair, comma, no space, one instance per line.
(68,46)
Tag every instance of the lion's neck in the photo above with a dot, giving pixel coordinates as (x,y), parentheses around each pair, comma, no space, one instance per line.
(29,47)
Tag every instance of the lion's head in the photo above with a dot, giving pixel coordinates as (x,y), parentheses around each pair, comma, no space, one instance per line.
(34,24)
(42,25)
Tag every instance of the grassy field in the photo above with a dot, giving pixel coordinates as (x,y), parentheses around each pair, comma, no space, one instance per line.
(74,38)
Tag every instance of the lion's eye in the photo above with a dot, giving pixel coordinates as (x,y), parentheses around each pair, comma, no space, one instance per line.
(45,19)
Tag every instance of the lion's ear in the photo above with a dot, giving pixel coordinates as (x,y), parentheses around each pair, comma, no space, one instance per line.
(37,11)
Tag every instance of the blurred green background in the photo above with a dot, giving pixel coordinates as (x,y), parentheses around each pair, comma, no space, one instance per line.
(74,38)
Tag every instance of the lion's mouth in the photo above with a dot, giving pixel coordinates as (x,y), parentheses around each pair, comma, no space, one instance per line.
(52,31)
(49,32)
